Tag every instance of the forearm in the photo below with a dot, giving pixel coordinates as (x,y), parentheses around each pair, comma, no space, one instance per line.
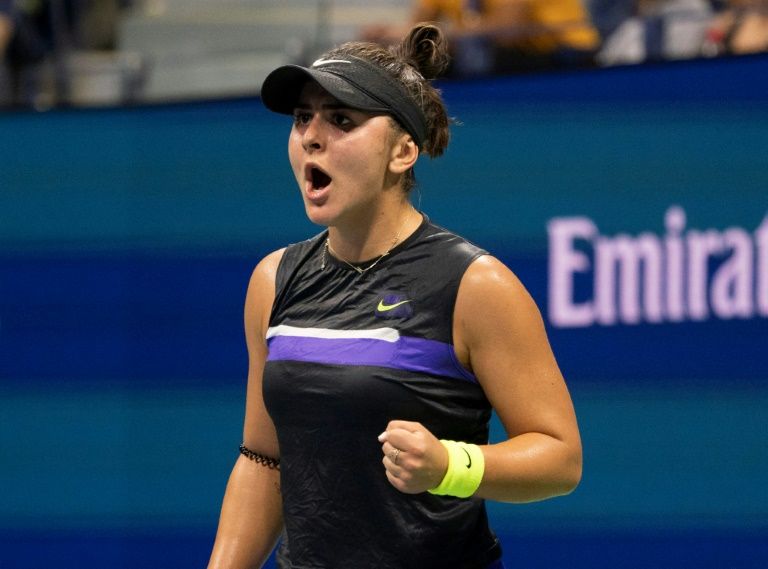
(251,517)
(530,467)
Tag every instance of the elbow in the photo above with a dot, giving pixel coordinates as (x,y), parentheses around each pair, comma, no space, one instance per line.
(566,471)
(572,472)
(560,478)
(571,483)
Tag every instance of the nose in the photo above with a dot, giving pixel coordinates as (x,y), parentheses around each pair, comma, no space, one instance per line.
(312,137)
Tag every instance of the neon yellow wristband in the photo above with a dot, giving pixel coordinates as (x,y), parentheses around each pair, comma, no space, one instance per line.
(466,465)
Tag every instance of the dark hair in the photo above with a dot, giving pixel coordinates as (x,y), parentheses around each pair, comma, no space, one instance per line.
(421,56)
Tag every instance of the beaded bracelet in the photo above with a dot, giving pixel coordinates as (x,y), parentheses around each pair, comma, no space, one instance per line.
(269,462)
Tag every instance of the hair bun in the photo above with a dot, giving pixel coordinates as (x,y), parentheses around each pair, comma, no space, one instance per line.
(425,48)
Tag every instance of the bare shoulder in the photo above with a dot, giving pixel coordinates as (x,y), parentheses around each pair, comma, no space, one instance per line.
(266,269)
(494,309)
(261,292)
(490,283)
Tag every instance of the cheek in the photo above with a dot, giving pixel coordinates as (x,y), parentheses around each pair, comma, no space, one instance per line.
(294,154)
(365,161)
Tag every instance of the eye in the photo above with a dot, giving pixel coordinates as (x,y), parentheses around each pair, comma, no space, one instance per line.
(301,118)
(341,121)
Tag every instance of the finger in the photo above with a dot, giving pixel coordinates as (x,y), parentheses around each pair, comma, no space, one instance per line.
(413,443)
(403,438)
(394,480)
(400,484)
(390,467)
(392,453)
(399,444)
(395,470)
(385,436)
(388,449)
(411,426)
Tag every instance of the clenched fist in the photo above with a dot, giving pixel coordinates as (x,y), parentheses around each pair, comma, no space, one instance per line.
(414,459)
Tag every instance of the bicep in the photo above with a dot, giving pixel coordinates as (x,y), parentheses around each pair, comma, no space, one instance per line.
(501,330)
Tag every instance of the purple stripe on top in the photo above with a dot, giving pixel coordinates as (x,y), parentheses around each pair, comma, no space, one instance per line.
(410,354)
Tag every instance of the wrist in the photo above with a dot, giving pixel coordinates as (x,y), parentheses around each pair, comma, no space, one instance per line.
(466,465)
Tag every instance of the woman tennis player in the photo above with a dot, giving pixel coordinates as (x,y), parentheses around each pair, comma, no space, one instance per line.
(379,348)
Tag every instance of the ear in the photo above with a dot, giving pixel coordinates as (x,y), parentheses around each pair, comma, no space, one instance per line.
(404,154)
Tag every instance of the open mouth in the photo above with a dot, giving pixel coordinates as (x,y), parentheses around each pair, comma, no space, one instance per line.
(318,178)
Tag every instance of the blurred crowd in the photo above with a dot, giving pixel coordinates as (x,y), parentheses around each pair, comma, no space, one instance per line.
(36,34)
(487,36)
(502,36)
(654,30)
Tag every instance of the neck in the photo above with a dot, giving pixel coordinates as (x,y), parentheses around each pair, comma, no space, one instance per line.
(376,237)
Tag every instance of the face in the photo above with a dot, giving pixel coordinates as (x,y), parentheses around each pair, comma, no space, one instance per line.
(340,158)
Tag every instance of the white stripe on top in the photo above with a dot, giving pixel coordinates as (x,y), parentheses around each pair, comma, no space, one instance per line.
(385,334)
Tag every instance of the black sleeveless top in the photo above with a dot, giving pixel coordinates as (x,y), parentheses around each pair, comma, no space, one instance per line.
(349,352)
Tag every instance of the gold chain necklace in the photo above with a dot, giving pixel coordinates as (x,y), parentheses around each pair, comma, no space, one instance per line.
(361,270)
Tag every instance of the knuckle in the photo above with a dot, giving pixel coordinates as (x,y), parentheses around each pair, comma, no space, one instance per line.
(418,451)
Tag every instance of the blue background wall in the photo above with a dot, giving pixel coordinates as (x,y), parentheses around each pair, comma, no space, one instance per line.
(127,237)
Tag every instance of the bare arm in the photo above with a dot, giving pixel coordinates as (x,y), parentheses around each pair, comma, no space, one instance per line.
(500,335)
(251,513)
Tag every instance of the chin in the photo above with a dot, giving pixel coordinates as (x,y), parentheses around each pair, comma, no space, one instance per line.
(319,216)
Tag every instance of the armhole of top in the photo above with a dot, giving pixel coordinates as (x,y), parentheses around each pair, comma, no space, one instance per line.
(280,282)
(459,366)
(285,267)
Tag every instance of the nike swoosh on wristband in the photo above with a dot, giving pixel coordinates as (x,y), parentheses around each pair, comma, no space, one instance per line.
(469,458)
(387,307)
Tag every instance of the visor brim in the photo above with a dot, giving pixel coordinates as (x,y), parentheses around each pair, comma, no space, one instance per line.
(282,88)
